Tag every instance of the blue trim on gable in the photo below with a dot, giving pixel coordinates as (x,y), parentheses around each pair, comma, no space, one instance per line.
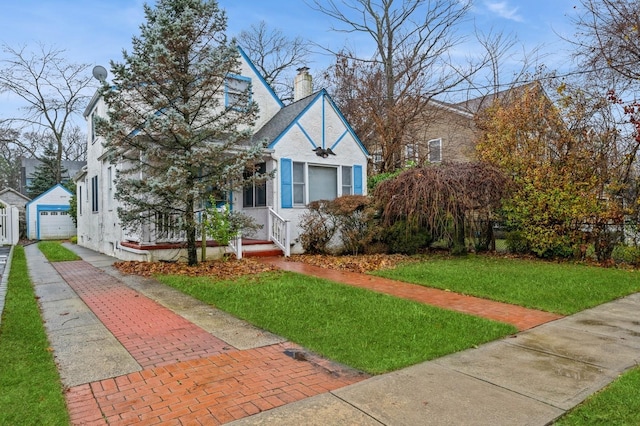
(48,191)
(346,132)
(27,209)
(304,132)
(260,77)
(295,122)
(345,122)
(349,130)
(324,127)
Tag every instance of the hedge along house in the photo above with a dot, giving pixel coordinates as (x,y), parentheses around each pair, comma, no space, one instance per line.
(310,147)
(48,215)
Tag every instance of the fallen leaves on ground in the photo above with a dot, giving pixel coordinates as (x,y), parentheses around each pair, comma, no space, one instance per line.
(231,268)
(228,268)
(354,263)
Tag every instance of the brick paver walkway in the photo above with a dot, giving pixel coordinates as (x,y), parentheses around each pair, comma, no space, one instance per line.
(190,376)
(522,318)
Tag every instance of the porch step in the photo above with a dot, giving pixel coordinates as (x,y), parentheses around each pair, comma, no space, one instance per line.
(253,248)
(263,253)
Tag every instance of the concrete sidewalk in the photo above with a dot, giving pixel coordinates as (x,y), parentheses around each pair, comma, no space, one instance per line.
(528,379)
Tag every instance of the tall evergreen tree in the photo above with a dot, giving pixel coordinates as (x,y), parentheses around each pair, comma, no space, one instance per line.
(47,173)
(179,123)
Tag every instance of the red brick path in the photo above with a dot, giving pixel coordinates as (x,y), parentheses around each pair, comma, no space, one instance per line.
(522,318)
(191,377)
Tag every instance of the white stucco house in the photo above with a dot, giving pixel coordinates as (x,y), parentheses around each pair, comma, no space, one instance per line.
(311,148)
(48,215)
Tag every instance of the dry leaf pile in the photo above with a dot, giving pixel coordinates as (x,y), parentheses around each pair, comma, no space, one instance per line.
(360,263)
(231,268)
(224,269)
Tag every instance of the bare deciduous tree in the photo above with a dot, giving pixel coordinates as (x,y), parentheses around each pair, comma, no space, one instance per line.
(52,90)
(413,43)
(275,55)
(608,36)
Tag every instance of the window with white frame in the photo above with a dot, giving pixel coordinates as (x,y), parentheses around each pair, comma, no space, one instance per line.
(435,150)
(347,181)
(237,92)
(299,186)
(323,183)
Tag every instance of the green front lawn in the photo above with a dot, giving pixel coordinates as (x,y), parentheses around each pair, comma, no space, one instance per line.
(369,331)
(56,252)
(562,288)
(616,405)
(30,388)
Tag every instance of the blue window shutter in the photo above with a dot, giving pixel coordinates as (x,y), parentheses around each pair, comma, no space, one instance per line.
(357,180)
(286,181)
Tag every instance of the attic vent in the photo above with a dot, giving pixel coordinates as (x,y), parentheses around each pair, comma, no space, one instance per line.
(302,84)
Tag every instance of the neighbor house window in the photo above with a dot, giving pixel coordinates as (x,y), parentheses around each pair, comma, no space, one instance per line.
(410,154)
(94,194)
(237,92)
(255,195)
(435,150)
(347,181)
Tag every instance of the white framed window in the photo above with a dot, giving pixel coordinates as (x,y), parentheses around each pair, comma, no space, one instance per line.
(237,94)
(347,180)
(323,183)
(435,150)
(299,184)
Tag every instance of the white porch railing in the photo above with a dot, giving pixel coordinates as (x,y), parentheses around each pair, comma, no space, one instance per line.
(279,231)
(236,245)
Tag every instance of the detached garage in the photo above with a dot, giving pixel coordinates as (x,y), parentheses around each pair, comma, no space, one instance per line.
(48,215)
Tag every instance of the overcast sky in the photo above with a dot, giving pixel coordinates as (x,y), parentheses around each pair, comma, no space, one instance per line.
(95,32)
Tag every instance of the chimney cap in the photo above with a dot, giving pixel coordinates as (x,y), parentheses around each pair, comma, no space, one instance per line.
(302,69)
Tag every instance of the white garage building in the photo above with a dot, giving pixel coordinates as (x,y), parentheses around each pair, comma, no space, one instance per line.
(48,215)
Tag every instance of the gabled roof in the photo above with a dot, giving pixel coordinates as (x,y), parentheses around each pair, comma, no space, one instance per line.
(284,119)
(475,105)
(53,188)
(14,192)
(287,117)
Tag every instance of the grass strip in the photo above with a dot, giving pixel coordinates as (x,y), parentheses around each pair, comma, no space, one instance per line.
(616,405)
(30,389)
(54,251)
(369,331)
(562,288)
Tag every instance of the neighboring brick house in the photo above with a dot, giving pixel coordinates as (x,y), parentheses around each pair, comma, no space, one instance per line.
(447,131)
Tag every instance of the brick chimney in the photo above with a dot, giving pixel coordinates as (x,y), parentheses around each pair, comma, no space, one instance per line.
(302,84)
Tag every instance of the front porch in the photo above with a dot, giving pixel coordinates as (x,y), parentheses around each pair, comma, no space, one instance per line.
(177,251)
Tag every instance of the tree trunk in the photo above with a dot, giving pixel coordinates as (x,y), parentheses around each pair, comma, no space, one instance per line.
(190,222)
